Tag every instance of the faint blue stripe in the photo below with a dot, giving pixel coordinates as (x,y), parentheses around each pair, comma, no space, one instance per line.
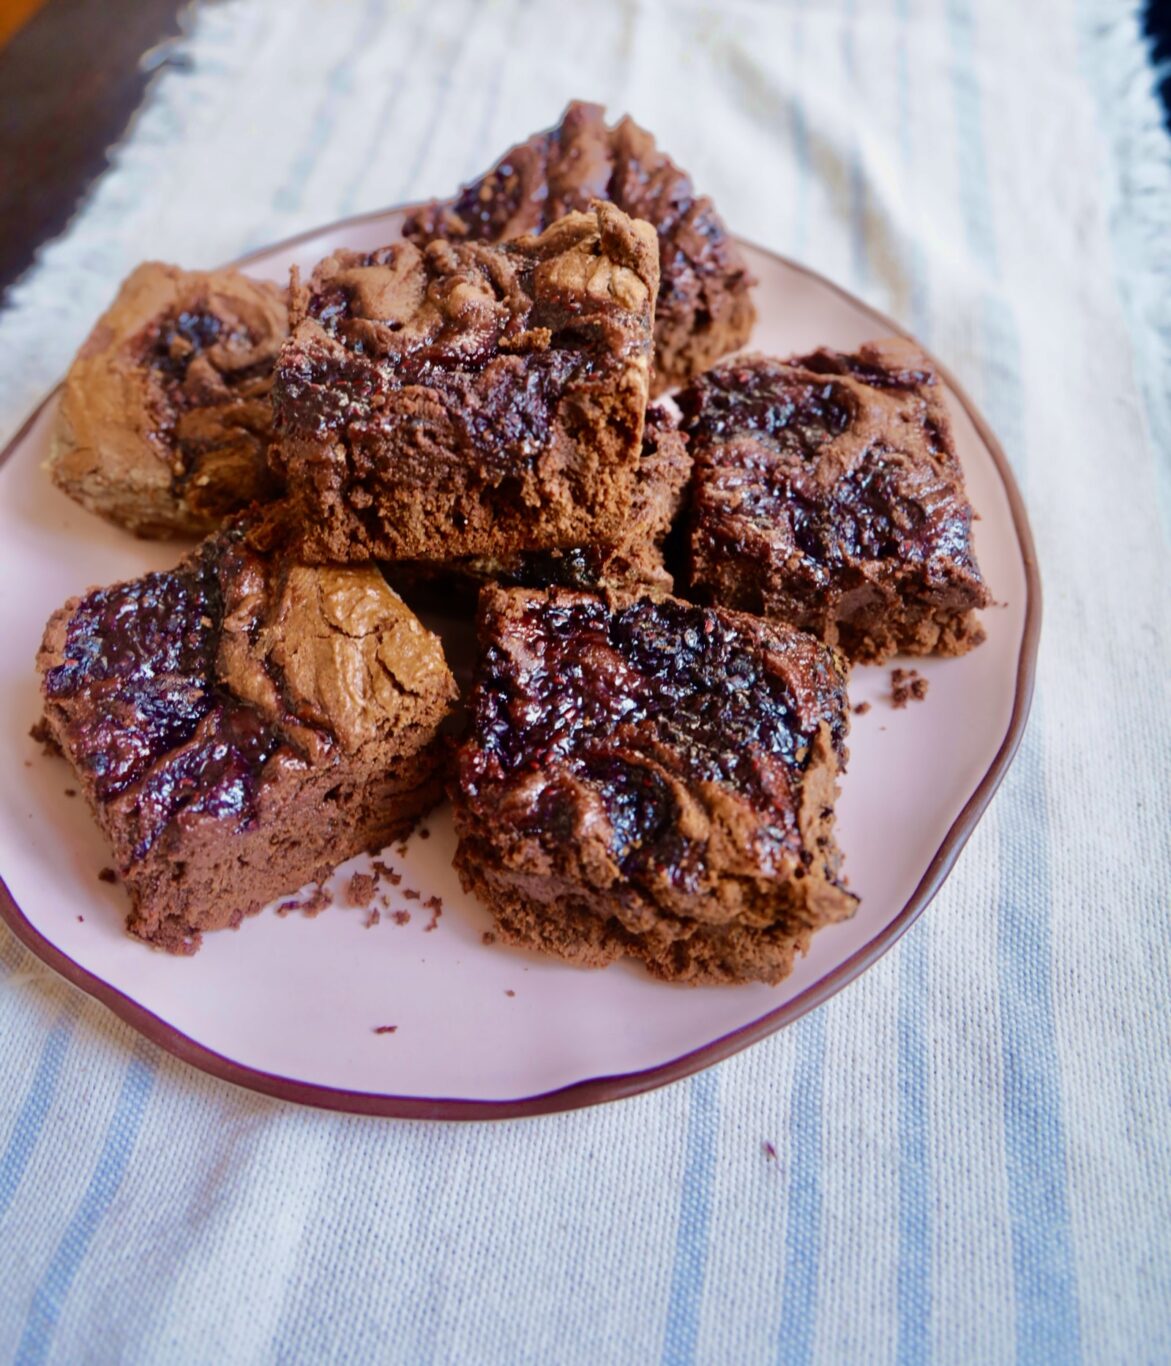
(914,1293)
(918,301)
(1043,1266)
(448,63)
(691,1243)
(919,298)
(337,86)
(859,251)
(103,1186)
(381,121)
(1047,1326)
(1044,1279)
(496,83)
(973,165)
(803,1230)
(802,152)
(31,1119)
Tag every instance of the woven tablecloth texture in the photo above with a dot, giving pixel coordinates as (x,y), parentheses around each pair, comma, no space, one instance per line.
(972,1141)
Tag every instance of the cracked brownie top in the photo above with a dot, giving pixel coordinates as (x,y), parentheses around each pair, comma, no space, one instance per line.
(166,416)
(629,716)
(703,304)
(186,685)
(828,493)
(469,399)
(571,303)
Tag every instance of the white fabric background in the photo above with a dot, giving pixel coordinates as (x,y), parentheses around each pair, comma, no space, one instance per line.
(972,1140)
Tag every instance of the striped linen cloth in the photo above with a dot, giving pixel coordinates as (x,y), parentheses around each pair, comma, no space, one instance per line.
(972,1141)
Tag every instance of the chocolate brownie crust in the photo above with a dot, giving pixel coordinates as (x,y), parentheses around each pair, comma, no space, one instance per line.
(466,399)
(166,413)
(242,724)
(704,306)
(827,494)
(648,777)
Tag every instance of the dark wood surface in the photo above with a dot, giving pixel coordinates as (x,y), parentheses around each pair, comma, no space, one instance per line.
(70,79)
(14,13)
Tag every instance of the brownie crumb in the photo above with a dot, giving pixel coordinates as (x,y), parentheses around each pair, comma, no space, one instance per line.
(71,792)
(319,899)
(288,907)
(862,708)
(107,875)
(509,992)
(488,937)
(411,895)
(384,870)
(385,1029)
(907,685)
(424,833)
(769,1150)
(44,737)
(360,889)
(373,918)
(435,905)
(401,917)
(81,919)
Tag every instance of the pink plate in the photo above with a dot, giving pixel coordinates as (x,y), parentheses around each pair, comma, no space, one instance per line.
(292,1005)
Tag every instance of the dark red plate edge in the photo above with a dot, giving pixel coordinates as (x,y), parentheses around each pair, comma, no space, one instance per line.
(597,1090)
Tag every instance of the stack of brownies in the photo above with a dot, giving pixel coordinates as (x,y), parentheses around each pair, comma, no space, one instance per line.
(669,594)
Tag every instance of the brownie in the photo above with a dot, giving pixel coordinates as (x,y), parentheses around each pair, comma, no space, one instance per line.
(645,776)
(704,306)
(635,557)
(463,399)
(166,413)
(243,723)
(827,494)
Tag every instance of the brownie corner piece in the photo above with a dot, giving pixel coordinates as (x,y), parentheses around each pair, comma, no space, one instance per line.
(705,304)
(464,399)
(827,493)
(241,724)
(646,777)
(165,414)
